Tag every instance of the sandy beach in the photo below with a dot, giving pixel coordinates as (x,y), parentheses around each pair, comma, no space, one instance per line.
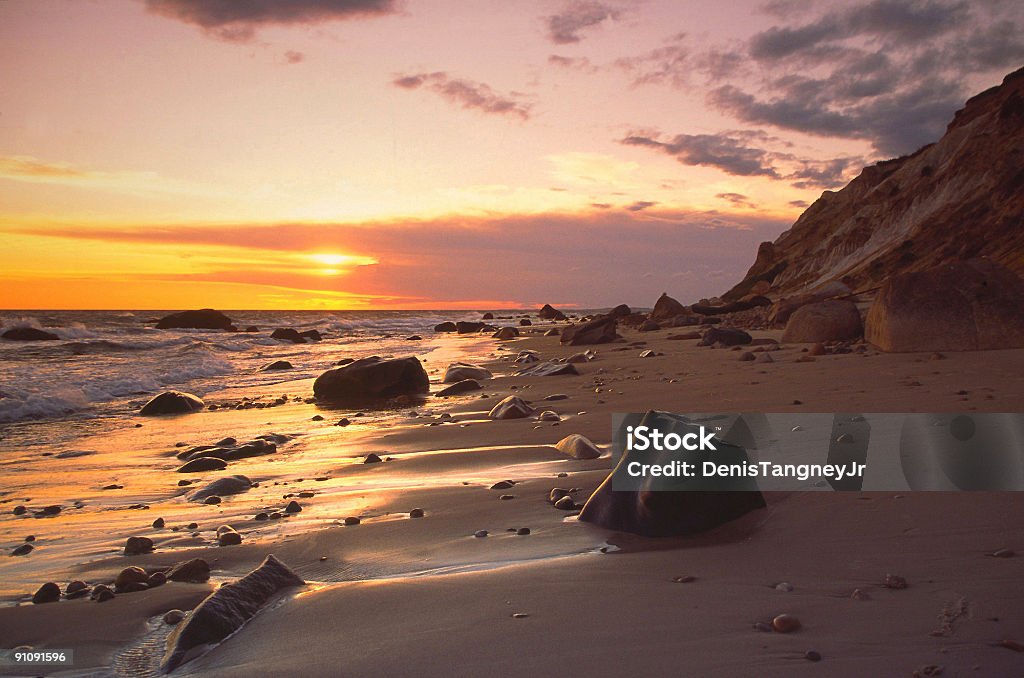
(400,595)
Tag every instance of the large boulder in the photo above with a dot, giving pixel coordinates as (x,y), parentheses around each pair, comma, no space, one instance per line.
(29,334)
(372,380)
(666,307)
(203,319)
(548,312)
(833,320)
(620,311)
(172,402)
(460,371)
(600,330)
(966,306)
(225,611)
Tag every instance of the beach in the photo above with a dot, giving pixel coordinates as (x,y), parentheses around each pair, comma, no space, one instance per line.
(400,595)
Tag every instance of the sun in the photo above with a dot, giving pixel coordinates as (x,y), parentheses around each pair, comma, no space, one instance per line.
(329,259)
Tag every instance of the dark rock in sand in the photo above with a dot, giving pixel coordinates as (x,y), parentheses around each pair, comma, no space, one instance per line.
(158,524)
(512,407)
(466,327)
(525,322)
(221,487)
(578,447)
(416,513)
(834,320)
(195,571)
(19,510)
(666,307)
(414,337)
(480,534)
(126,578)
(463,386)
(372,380)
(76,589)
(156,579)
(620,311)
(172,402)
(251,328)
(228,536)
(548,312)
(548,369)
(28,334)
(292,507)
(351,520)
(523,531)
(726,336)
(372,458)
(212,500)
(311,335)
(487,316)
(600,330)
(445,327)
(565,504)
(459,371)
(649,326)
(224,611)
(202,464)
(47,593)
(502,485)
(506,333)
(203,319)
(785,623)
(134,546)
(22,550)
(277,365)
(288,334)
(173,617)
(975,305)
(101,593)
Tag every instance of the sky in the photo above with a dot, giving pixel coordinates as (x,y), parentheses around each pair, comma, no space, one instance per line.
(363,154)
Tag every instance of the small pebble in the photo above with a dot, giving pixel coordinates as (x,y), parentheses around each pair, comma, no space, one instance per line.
(158,523)
(519,615)
(173,617)
(812,656)
(523,531)
(352,520)
(192,526)
(212,500)
(506,497)
(784,586)
(1003,553)
(785,623)
(502,485)
(22,550)
(480,534)
(416,513)
(292,507)
(894,581)
(684,579)
(371,458)
(262,515)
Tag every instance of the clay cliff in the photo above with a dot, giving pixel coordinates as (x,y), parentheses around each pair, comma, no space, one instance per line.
(959,198)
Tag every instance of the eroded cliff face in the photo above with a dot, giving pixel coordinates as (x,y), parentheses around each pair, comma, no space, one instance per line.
(959,198)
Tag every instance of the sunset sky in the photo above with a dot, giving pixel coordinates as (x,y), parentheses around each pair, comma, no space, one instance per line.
(414,154)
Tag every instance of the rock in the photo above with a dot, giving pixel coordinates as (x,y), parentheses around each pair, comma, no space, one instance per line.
(251,328)
(344,421)
(585,357)
(506,333)
(684,336)
(620,311)
(276,365)
(228,536)
(726,336)
(480,534)
(507,497)
(834,320)
(649,326)
(457,372)
(292,507)
(203,319)
(523,531)
(578,447)
(28,334)
(765,358)
(747,356)
(158,524)
(817,349)
(894,581)
(548,312)
(548,415)
(19,510)
(487,316)
(173,617)
(372,458)
(459,387)
(212,500)
(465,327)
(101,593)
(565,504)
(975,305)
(548,369)
(317,417)
(649,354)
(172,402)
(195,571)
(512,407)
(503,485)
(785,623)
(225,610)
(352,520)
(134,546)
(552,333)
(414,337)
(127,579)
(202,465)
(288,334)
(784,586)
(812,656)
(372,380)
(445,327)
(525,322)
(76,589)
(22,550)
(156,579)
(600,330)
(666,307)
(222,486)
(416,513)
(47,593)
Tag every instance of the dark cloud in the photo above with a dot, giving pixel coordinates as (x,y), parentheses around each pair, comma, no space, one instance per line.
(802,204)
(737,199)
(640,205)
(728,151)
(751,153)
(238,20)
(565,27)
(467,93)
(670,64)
(575,63)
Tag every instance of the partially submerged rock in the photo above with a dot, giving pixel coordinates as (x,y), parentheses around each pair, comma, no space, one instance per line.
(372,380)
(512,407)
(276,365)
(225,611)
(202,465)
(459,387)
(203,319)
(578,447)
(28,334)
(172,402)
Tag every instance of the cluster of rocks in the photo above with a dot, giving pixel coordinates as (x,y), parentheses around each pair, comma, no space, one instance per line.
(129,580)
(201,458)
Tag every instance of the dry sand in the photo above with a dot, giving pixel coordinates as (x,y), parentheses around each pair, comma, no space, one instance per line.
(402,596)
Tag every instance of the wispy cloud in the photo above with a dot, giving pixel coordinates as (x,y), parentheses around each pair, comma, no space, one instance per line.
(468,94)
(566,26)
(238,20)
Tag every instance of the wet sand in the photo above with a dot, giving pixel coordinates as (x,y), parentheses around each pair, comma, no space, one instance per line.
(396,595)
